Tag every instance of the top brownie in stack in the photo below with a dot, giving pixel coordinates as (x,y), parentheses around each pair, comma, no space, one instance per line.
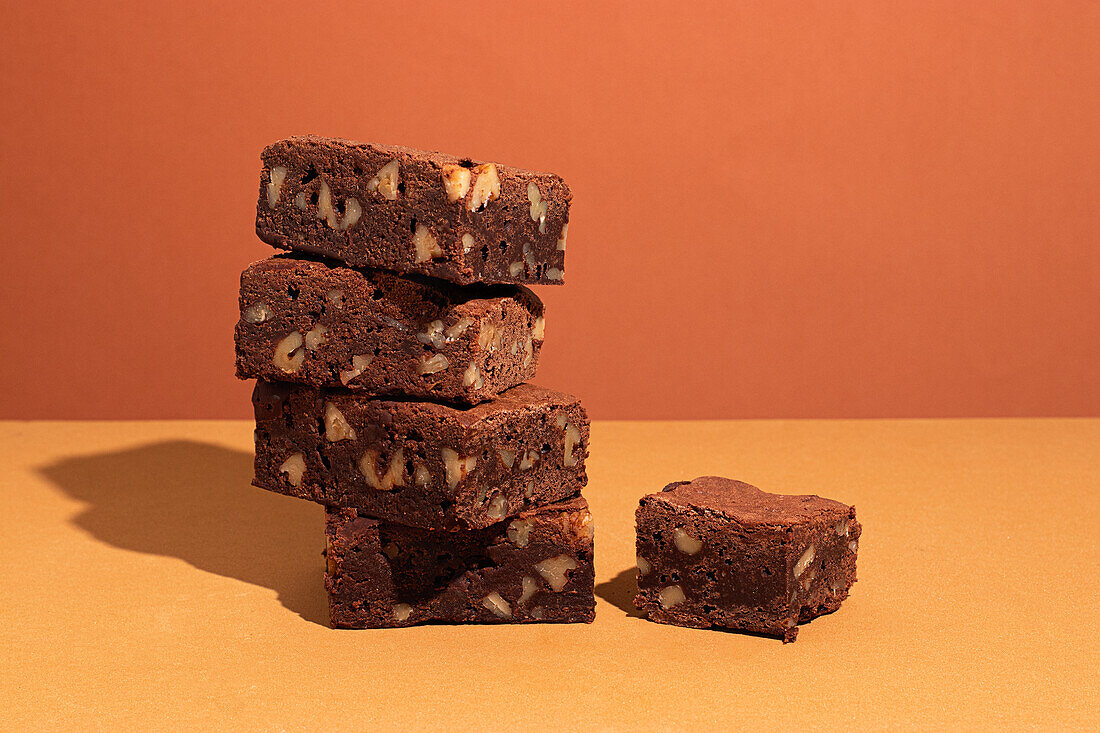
(411,211)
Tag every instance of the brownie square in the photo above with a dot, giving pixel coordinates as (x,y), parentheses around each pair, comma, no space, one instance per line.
(413,211)
(379,334)
(720,553)
(534,567)
(421,464)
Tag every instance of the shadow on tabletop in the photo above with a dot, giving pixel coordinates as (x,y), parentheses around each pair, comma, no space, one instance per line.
(620,591)
(195,502)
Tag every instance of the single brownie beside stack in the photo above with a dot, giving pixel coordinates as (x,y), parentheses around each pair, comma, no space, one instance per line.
(393,349)
(720,553)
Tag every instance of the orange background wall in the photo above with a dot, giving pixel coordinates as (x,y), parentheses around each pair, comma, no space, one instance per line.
(781,209)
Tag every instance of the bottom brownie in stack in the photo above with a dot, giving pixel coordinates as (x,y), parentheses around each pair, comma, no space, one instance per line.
(534,567)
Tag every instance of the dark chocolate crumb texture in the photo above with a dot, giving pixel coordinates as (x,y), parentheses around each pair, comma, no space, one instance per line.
(413,211)
(534,567)
(421,464)
(720,553)
(380,334)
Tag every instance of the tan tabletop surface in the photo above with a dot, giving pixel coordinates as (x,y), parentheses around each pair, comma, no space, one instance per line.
(146,584)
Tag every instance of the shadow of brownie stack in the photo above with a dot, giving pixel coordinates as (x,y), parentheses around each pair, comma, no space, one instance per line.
(393,346)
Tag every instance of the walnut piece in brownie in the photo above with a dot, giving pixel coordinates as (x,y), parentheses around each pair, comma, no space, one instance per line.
(410,211)
(534,567)
(421,464)
(717,552)
(378,334)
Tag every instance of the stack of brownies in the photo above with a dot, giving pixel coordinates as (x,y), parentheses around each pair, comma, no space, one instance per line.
(393,347)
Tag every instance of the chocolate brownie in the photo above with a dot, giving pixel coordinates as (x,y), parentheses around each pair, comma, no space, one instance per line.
(413,211)
(421,464)
(377,333)
(535,567)
(717,552)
